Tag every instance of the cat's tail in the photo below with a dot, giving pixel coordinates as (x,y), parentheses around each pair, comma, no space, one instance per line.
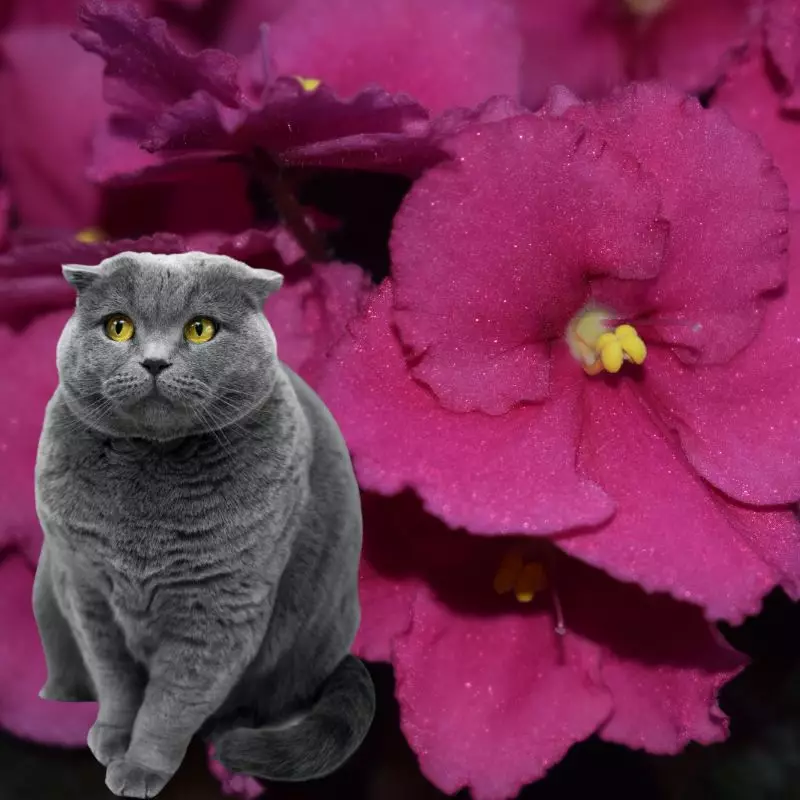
(318,743)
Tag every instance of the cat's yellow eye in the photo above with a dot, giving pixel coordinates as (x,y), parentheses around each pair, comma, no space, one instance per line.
(119,328)
(200,330)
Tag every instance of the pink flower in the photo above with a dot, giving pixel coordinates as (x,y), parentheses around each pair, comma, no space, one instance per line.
(593,45)
(45,144)
(181,107)
(491,695)
(512,268)
(757,102)
(782,36)
(444,54)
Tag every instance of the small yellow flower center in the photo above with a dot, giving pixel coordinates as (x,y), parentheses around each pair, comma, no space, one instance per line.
(525,579)
(646,8)
(90,236)
(309,84)
(599,345)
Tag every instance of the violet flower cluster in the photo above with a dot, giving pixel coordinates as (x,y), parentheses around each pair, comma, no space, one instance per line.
(571,393)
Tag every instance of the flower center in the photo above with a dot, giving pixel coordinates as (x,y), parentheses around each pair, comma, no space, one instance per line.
(90,236)
(646,8)
(599,345)
(309,84)
(527,578)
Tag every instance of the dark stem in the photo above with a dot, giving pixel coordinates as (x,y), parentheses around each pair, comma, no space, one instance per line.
(271,176)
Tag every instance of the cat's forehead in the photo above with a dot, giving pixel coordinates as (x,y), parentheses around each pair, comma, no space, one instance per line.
(167,284)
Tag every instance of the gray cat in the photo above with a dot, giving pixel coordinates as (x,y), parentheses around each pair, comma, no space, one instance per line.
(202,531)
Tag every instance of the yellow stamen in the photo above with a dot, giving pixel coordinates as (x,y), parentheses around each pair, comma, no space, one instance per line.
(506,577)
(592,341)
(524,579)
(90,236)
(309,84)
(530,581)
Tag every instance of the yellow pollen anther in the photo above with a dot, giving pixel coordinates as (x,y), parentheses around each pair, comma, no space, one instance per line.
(309,84)
(599,348)
(524,579)
(90,236)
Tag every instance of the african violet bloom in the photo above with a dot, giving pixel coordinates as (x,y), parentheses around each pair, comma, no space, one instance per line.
(593,45)
(493,691)
(761,96)
(177,107)
(499,372)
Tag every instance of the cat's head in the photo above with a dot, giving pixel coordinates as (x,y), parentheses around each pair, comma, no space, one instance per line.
(164,346)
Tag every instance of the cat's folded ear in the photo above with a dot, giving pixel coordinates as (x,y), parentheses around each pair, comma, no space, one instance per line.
(80,276)
(261,283)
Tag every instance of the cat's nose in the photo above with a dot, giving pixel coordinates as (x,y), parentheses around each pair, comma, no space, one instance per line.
(155,365)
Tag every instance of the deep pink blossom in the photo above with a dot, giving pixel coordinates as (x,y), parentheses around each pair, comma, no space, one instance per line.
(756,102)
(491,696)
(444,54)
(675,222)
(170,108)
(782,38)
(593,45)
(54,89)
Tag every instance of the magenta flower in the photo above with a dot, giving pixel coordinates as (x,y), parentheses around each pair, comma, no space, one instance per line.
(175,109)
(759,102)
(54,89)
(494,689)
(593,45)
(641,229)
(782,36)
(444,54)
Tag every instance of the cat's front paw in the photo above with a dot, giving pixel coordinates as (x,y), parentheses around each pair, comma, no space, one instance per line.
(128,779)
(109,742)
(67,692)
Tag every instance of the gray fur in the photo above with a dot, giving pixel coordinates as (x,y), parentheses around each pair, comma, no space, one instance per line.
(199,568)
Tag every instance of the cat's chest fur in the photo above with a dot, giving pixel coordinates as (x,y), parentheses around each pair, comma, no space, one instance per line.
(167,531)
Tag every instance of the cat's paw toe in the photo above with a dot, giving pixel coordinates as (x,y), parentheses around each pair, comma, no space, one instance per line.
(66,692)
(127,779)
(108,742)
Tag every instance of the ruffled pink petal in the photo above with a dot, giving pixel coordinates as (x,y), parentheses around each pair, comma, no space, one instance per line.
(46,258)
(490,702)
(29,366)
(738,423)
(782,34)
(726,205)
(478,303)
(670,533)
(773,533)
(23,671)
(146,71)
(748,95)
(661,661)
(444,54)
(372,129)
(394,562)
(54,89)
(691,43)
(506,474)
(309,315)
